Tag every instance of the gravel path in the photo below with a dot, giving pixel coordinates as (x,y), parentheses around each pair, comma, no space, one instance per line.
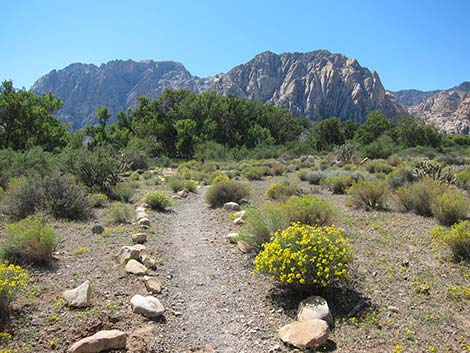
(212,298)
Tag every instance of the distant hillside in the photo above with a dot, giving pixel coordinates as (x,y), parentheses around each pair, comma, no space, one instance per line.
(318,84)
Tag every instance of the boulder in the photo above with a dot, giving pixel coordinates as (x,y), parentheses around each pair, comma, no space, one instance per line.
(148,306)
(139,238)
(127,253)
(78,297)
(100,341)
(232,206)
(153,285)
(143,222)
(97,228)
(135,267)
(314,307)
(305,334)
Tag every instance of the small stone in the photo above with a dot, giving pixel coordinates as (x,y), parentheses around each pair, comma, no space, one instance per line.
(135,267)
(240,214)
(232,206)
(238,221)
(97,228)
(143,222)
(176,197)
(231,237)
(127,253)
(148,306)
(393,309)
(182,193)
(100,341)
(153,285)
(139,238)
(78,297)
(305,334)
(139,247)
(140,209)
(200,349)
(244,246)
(148,262)
(314,307)
(140,215)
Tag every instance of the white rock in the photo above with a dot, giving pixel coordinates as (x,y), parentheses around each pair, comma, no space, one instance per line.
(148,306)
(140,209)
(127,253)
(182,193)
(78,297)
(232,206)
(139,247)
(139,238)
(143,222)
(135,267)
(305,334)
(100,341)
(231,237)
(314,307)
(140,215)
(238,221)
(240,214)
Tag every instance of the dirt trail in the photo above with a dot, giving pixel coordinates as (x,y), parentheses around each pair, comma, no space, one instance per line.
(210,294)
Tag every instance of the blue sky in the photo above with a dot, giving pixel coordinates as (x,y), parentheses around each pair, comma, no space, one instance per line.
(423,44)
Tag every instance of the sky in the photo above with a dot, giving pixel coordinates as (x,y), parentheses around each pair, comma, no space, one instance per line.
(421,44)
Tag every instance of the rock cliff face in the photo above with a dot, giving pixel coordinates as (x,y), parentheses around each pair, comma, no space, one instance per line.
(447,110)
(318,84)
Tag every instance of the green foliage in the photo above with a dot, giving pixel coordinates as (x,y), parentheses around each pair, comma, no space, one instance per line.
(339,183)
(450,207)
(315,177)
(29,241)
(178,183)
(382,147)
(368,194)
(401,176)
(97,200)
(457,238)
(13,282)
(375,125)
(305,256)
(218,177)
(378,166)
(120,213)
(280,191)
(226,191)
(419,196)
(255,172)
(308,209)
(463,179)
(434,170)
(123,192)
(326,133)
(157,200)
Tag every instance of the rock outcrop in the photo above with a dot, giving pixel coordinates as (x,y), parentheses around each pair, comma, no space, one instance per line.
(317,85)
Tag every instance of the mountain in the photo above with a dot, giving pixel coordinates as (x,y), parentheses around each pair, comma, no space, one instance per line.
(317,85)
(447,110)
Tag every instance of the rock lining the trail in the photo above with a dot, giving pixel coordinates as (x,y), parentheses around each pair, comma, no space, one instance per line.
(148,306)
(100,341)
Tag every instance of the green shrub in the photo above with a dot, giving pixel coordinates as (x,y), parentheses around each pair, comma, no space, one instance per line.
(59,195)
(29,241)
(378,166)
(400,177)
(463,179)
(302,174)
(219,178)
(369,194)
(134,176)
(280,191)
(178,183)
(277,169)
(98,200)
(305,256)
(418,196)
(457,238)
(226,191)
(13,282)
(308,209)
(120,213)
(147,175)
(338,184)
(450,207)
(157,200)
(315,177)
(123,192)
(255,172)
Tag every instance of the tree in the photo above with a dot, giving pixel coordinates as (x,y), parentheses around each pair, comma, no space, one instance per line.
(326,133)
(376,124)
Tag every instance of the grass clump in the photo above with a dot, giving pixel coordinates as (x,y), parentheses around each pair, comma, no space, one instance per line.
(457,238)
(157,200)
(29,241)
(280,191)
(13,282)
(226,191)
(368,194)
(123,192)
(308,209)
(450,207)
(98,200)
(315,177)
(255,172)
(217,177)
(379,166)
(178,183)
(418,197)
(119,213)
(339,183)
(305,256)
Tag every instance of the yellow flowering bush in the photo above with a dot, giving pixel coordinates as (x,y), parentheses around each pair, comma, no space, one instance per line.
(13,281)
(304,255)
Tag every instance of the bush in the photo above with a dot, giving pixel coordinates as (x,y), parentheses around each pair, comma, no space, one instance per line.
(450,207)
(217,177)
(379,166)
(29,241)
(305,256)
(120,213)
(280,191)
(178,183)
(315,177)
(463,179)
(254,172)
(457,238)
(368,194)
(277,169)
(157,200)
(13,282)
(338,183)
(418,197)
(302,174)
(135,176)
(58,195)
(123,192)
(97,200)
(400,177)
(226,191)
(308,209)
